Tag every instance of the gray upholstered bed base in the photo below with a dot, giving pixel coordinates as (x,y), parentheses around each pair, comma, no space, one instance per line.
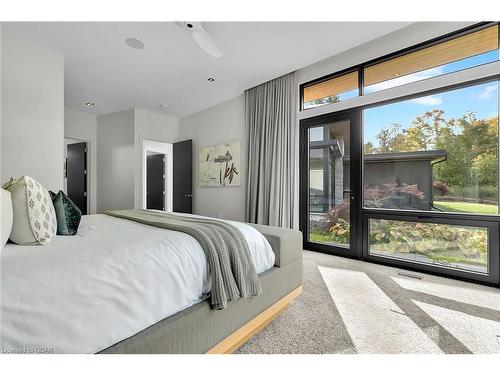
(198,328)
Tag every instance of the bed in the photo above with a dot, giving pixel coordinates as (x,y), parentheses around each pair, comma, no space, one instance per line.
(120,286)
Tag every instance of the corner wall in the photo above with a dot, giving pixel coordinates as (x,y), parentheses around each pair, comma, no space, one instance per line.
(115,169)
(120,166)
(32,112)
(219,124)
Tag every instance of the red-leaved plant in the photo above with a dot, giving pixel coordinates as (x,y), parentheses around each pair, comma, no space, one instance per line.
(440,187)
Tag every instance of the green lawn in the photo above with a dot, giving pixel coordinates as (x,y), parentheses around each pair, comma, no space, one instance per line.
(479,208)
(319,237)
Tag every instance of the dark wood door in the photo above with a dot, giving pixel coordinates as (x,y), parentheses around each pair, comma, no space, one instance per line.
(76,172)
(183,177)
(155,182)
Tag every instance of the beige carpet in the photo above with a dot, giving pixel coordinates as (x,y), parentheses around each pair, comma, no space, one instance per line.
(349,306)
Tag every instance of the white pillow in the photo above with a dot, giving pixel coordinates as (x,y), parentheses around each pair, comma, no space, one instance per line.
(6,204)
(34,217)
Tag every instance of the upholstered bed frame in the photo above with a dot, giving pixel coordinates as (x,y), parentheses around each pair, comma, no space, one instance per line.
(200,329)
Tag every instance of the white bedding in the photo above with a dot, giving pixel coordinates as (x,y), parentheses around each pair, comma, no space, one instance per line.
(113,279)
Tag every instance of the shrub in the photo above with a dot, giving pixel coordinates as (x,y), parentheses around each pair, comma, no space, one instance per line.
(341,231)
(392,195)
(440,188)
(426,238)
(340,211)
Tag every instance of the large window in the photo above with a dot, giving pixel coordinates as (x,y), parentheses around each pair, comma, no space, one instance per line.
(457,247)
(434,153)
(408,177)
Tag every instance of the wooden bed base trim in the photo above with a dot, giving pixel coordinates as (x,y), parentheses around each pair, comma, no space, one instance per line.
(254,326)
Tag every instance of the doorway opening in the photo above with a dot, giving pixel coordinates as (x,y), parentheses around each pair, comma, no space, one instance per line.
(76,181)
(155,181)
(157,175)
(330,184)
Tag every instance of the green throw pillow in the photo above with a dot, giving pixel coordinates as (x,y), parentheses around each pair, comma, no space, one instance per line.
(67,213)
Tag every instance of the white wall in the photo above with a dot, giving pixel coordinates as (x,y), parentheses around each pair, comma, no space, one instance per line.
(220,124)
(152,127)
(32,112)
(83,127)
(120,158)
(116,161)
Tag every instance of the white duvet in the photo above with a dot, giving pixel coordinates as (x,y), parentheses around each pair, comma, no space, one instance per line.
(84,293)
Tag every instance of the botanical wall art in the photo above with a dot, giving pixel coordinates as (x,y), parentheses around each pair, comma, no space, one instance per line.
(221,165)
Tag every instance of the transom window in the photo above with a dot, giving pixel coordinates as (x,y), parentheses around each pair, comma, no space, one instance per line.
(331,90)
(460,53)
(466,50)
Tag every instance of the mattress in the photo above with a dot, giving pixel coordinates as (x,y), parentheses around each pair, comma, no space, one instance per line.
(84,293)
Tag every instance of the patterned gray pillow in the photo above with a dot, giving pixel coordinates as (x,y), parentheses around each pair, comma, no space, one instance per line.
(67,213)
(34,217)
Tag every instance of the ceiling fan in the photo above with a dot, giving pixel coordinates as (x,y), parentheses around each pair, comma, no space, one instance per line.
(202,37)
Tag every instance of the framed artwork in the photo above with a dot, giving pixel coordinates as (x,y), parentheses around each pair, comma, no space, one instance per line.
(220,165)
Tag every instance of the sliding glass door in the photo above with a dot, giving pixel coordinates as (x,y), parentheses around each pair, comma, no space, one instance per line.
(328,184)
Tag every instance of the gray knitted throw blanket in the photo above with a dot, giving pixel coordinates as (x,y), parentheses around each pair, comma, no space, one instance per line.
(230,265)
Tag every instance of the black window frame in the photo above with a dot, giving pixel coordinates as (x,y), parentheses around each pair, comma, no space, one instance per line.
(353,114)
(493,227)
(328,78)
(491,79)
(362,214)
(429,43)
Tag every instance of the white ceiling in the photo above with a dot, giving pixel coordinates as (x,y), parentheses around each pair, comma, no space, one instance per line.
(173,70)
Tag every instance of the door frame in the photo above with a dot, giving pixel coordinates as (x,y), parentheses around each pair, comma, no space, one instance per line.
(88,167)
(354,117)
(163,178)
(166,149)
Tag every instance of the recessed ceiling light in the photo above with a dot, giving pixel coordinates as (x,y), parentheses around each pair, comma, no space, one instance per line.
(211,79)
(90,104)
(134,43)
(163,106)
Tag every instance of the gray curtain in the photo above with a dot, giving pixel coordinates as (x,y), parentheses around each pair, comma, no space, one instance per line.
(270,116)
